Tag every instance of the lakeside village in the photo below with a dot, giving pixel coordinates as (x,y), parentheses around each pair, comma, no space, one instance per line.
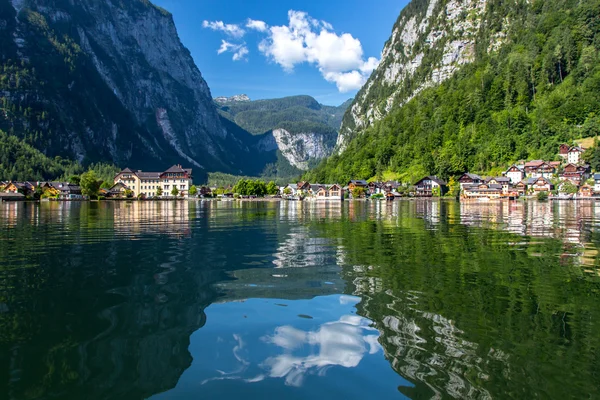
(569,178)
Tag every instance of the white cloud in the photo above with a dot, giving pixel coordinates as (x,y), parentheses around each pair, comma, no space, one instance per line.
(339,58)
(240,51)
(230,29)
(260,26)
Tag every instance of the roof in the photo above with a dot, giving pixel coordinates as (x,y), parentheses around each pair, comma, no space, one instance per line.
(576,148)
(127,170)
(433,178)
(534,163)
(148,175)
(531,181)
(10,195)
(359,182)
(174,168)
(316,187)
(499,179)
(475,177)
(597,177)
(65,187)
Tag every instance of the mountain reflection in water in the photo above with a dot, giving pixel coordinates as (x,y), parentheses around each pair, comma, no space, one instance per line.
(423,299)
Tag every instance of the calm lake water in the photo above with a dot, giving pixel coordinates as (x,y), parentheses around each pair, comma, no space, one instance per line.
(188,300)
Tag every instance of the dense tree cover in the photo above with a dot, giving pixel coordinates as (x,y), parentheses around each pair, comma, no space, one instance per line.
(540,89)
(90,184)
(21,162)
(249,187)
(260,116)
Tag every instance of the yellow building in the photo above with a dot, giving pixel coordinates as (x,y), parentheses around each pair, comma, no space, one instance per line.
(147,183)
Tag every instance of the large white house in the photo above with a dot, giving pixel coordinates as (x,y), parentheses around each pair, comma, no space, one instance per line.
(147,183)
(574,155)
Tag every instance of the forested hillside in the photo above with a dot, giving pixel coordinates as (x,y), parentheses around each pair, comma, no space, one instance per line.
(298,113)
(540,87)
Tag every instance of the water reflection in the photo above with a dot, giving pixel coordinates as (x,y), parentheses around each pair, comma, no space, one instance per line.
(465,300)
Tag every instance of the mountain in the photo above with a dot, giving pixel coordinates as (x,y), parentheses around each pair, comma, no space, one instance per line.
(260,116)
(110,81)
(473,85)
(237,97)
(300,129)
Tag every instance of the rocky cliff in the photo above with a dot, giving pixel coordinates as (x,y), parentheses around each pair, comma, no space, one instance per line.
(303,149)
(109,81)
(429,42)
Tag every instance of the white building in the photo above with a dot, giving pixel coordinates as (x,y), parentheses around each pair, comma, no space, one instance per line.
(515,174)
(574,154)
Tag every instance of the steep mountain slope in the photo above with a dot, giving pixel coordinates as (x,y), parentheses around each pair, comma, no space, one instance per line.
(110,80)
(298,127)
(474,86)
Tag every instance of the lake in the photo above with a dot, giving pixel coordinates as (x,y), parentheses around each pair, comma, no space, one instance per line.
(410,299)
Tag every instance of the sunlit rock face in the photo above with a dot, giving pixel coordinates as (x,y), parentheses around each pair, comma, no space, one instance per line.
(429,42)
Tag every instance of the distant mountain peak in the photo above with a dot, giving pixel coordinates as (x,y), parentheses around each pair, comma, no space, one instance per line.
(237,97)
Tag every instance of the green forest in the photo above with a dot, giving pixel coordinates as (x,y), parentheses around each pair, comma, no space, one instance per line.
(295,114)
(540,89)
(19,161)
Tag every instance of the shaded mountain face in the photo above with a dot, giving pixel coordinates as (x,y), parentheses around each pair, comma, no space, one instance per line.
(299,128)
(110,81)
(474,86)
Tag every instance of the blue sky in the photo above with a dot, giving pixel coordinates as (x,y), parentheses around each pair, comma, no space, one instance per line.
(276,48)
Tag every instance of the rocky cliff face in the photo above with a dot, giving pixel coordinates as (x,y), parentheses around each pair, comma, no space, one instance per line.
(302,149)
(430,41)
(108,80)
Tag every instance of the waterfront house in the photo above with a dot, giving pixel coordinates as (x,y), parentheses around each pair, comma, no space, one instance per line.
(596,183)
(292,188)
(315,188)
(64,190)
(303,187)
(336,191)
(574,154)
(205,191)
(11,196)
(468,179)
(393,195)
(503,181)
(483,190)
(429,185)
(375,187)
(391,186)
(358,184)
(25,188)
(586,191)
(321,192)
(147,183)
(118,190)
(515,174)
(521,188)
(539,184)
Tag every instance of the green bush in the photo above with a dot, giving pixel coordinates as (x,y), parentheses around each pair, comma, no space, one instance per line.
(542,196)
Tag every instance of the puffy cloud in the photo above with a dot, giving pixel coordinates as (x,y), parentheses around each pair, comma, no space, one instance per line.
(339,58)
(230,29)
(240,51)
(260,26)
